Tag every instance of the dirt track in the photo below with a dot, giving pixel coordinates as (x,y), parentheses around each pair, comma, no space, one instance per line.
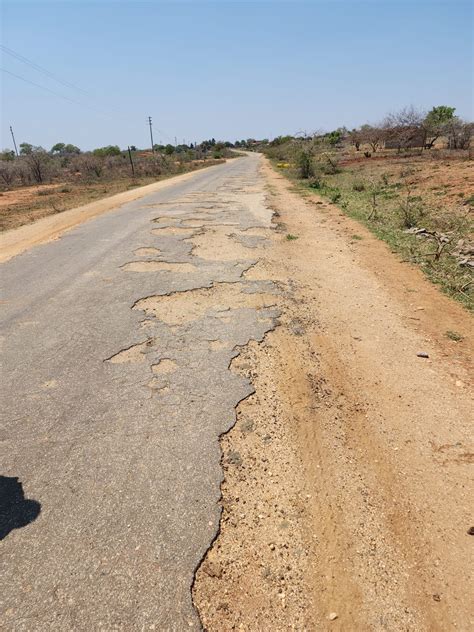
(346,495)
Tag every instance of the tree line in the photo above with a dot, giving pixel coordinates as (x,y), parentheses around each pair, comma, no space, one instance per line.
(37,165)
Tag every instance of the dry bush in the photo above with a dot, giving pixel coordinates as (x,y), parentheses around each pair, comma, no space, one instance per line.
(8,173)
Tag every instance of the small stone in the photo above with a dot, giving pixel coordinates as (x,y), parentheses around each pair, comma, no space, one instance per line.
(234,458)
(332,616)
(422,354)
(470,531)
(437,597)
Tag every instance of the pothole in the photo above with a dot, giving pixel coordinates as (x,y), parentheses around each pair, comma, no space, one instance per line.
(164,366)
(184,307)
(147,252)
(217,245)
(172,230)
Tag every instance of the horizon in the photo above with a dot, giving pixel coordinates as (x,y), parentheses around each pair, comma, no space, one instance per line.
(228,71)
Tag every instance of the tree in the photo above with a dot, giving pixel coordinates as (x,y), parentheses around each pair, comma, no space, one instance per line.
(26,148)
(58,148)
(459,133)
(436,121)
(38,161)
(8,172)
(71,149)
(355,138)
(109,150)
(63,150)
(373,135)
(7,155)
(404,128)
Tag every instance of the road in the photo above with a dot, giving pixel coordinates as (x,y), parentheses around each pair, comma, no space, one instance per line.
(116,387)
(160,491)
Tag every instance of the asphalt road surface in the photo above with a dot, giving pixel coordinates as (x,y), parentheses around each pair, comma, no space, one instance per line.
(115,388)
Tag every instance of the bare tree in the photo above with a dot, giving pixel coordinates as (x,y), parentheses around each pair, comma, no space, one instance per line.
(405,129)
(459,133)
(372,135)
(8,172)
(38,161)
(89,165)
(355,137)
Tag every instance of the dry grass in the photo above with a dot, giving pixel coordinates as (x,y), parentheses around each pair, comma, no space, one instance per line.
(392,194)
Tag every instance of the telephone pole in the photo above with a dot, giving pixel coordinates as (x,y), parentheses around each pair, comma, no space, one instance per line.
(151,135)
(131,161)
(14,141)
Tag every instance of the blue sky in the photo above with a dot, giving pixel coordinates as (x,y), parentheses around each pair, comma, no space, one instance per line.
(227,69)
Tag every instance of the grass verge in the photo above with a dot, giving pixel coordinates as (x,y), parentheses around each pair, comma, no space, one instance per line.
(415,219)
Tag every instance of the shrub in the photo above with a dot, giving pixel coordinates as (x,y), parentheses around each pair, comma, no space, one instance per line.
(8,172)
(358,186)
(38,161)
(316,183)
(89,165)
(305,164)
(331,164)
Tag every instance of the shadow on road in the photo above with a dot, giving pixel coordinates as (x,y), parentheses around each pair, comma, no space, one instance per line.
(15,510)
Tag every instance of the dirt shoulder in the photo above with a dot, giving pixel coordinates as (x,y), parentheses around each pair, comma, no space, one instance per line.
(345,499)
(17,240)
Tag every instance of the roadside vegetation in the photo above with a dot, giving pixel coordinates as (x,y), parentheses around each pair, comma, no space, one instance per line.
(40,182)
(408,179)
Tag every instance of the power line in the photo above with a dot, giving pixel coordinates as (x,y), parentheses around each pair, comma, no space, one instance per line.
(46,72)
(62,96)
(57,94)
(51,75)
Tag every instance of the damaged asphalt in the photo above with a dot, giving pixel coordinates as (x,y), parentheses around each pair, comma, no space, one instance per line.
(116,386)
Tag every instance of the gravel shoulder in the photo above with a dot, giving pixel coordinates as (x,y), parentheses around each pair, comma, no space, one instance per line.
(346,492)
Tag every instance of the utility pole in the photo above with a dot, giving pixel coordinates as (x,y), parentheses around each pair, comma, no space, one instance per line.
(14,141)
(131,161)
(175,141)
(151,135)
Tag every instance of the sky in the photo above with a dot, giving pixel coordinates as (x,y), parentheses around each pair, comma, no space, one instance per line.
(227,70)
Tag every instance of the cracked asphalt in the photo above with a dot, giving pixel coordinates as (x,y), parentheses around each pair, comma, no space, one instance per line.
(116,387)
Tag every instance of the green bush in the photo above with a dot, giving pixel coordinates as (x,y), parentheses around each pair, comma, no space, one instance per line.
(316,183)
(305,165)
